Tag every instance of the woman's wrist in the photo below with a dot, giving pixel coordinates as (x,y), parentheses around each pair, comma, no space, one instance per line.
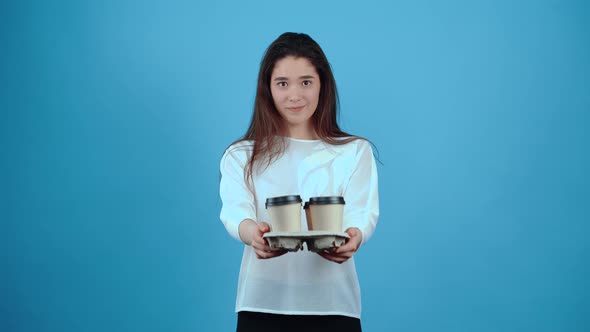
(245,230)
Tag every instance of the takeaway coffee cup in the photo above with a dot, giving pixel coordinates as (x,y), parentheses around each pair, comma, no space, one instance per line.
(307,215)
(326,213)
(284,213)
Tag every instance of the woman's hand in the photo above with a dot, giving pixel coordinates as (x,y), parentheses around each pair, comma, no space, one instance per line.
(252,232)
(344,252)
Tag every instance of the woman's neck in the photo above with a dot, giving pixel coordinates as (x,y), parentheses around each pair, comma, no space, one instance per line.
(301,132)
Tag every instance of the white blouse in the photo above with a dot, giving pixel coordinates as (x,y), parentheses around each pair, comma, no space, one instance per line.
(300,282)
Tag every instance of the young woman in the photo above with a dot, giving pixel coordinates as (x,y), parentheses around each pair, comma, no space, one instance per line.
(294,146)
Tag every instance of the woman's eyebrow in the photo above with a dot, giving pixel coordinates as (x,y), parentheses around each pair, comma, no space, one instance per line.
(304,77)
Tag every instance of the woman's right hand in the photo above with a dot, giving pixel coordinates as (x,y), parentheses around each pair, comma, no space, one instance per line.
(252,232)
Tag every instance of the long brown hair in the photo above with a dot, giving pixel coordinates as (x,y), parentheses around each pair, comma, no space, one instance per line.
(267,124)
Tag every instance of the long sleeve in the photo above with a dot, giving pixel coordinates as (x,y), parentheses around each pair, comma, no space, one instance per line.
(362,193)
(238,202)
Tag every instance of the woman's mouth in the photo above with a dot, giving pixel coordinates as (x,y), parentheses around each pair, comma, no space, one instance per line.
(295,109)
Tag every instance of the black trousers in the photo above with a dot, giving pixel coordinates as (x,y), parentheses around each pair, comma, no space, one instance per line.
(262,322)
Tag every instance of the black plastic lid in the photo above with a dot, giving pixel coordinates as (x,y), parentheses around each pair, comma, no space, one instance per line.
(326,200)
(282,200)
(306,205)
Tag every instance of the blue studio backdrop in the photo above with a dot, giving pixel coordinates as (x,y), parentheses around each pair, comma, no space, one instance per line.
(115,115)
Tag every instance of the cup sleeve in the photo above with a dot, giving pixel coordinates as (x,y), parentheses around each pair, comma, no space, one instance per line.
(236,198)
(362,193)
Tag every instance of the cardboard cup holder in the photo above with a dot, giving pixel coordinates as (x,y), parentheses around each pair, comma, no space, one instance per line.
(315,240)
(324,216)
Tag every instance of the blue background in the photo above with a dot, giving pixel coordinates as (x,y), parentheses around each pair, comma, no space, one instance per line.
(115,115)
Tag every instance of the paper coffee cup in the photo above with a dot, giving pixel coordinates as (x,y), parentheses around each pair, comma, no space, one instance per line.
(284,213)
(326,213)
(307,215)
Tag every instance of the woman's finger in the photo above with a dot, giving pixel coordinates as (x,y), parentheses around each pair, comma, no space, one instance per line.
(269,254)
(347,247)
(261,246)
(338,258)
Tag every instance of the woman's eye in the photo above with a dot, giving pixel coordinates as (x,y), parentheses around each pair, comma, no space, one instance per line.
(282,84)
(306,83)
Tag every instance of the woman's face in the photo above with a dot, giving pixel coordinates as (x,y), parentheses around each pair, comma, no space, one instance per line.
(295,89)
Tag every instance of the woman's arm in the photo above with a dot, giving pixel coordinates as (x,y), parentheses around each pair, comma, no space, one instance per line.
(238,202)
(238,209)
(361,210)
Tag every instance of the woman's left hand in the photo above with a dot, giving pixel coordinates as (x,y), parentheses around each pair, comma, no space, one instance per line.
(344,252)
